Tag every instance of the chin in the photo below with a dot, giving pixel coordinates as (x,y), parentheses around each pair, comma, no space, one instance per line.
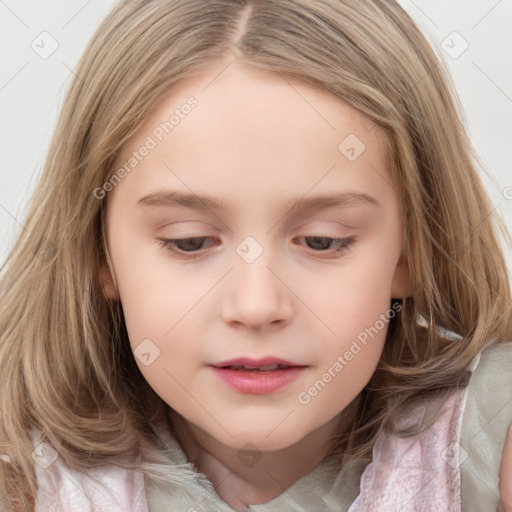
(264,439)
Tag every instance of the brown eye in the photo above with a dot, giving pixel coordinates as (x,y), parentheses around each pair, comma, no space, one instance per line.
(190,244)
(328,245)
(319,243)
(183,246)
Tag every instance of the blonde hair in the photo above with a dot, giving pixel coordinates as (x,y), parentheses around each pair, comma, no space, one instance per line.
(65,357)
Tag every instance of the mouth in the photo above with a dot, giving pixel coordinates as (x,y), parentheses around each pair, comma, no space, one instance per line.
(257,376)
(262,368)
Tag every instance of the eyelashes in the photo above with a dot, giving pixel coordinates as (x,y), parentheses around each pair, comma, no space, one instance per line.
(191,246)
(340,244)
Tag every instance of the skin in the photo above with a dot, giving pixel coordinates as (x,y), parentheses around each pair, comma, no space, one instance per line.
(256,142)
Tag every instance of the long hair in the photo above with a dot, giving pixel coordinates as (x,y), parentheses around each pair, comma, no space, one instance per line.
(66,367)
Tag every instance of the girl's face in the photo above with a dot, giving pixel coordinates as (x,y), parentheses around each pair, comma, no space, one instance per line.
(290,252)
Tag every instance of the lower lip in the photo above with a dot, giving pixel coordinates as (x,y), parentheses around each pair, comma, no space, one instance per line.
(258,382)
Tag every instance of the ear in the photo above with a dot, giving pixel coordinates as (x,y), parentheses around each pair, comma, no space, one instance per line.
(401,283)
(107,282)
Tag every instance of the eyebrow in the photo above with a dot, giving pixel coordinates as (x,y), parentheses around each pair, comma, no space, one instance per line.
(206,202)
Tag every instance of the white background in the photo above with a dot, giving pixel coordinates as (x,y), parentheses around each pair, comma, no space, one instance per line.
(32,88)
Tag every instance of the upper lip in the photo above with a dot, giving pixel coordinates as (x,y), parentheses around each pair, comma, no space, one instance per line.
(255,363)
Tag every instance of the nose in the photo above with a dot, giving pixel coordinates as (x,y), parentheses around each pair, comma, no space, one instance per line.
(257,296)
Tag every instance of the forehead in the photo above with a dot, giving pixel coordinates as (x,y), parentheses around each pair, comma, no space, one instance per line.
(255,130)
(239,99)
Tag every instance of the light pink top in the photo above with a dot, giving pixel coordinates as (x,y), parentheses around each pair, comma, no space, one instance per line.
(418,473)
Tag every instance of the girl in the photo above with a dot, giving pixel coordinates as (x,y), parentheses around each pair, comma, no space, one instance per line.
(259,273)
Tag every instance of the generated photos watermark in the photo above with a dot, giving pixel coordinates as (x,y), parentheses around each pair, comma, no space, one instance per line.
(151,142)
(342,360)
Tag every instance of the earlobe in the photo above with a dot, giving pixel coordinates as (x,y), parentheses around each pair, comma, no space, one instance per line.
(107,282)
(401,283)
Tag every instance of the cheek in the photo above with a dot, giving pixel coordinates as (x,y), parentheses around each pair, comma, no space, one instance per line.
(352,295)
(155,294)
(166,344)
(358,312)
(355,303)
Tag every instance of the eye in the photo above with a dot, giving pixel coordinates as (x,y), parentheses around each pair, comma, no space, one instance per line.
(328,245)
(189,247)
(182,246)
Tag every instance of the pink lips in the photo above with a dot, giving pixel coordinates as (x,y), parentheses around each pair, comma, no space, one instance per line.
(257,376)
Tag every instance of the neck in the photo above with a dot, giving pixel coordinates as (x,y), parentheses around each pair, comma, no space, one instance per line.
(243,478)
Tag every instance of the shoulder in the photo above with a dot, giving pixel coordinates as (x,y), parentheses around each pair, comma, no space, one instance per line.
(422,471)
(489,394)
(497,356)
(486,420)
